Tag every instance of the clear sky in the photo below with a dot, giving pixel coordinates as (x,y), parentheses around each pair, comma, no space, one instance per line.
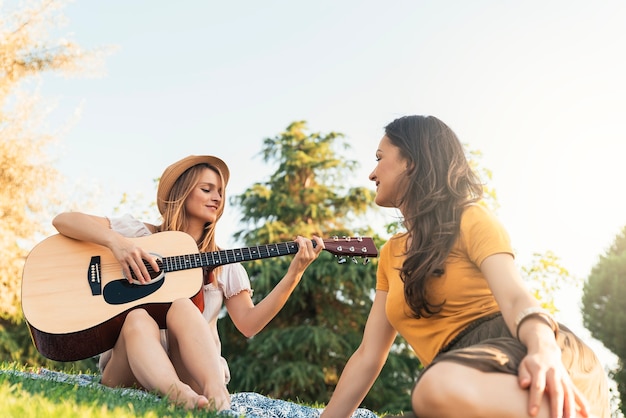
(537,86)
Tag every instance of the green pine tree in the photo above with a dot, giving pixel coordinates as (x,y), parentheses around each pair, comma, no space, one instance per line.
(301,353)
(603,307)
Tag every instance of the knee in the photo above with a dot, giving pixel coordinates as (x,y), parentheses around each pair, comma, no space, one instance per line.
(426,398)
(181,310)
(439,393)
(138,321)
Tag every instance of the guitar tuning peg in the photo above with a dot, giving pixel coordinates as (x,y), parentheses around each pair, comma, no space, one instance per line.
(366,261)
(341,260)
(354,260)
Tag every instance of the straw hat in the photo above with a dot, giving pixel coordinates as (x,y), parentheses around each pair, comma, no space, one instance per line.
(174,171)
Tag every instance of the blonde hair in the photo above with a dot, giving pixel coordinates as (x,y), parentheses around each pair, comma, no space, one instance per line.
(175,218)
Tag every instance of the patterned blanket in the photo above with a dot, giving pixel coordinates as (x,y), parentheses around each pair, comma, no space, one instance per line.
(246,404)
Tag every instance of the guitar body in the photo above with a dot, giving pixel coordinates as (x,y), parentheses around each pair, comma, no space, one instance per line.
(75,297)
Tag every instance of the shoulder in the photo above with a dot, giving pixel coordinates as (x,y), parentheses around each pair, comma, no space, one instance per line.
(476,211)
(482,233)
(233,279)
(395,245)
(130,226)
(233,269)
(477,216)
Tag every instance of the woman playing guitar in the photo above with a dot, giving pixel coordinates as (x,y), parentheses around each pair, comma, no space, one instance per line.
(183,362)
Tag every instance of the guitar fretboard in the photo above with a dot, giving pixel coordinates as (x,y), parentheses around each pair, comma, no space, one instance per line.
(221,257)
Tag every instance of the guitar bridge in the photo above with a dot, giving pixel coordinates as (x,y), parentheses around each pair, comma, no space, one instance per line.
(94,274)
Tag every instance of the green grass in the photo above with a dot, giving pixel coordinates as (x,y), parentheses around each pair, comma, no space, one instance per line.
(21,396)
(24,396)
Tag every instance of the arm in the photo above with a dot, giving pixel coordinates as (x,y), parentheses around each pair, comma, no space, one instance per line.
(98,230)
(365,364)
(542,370)
(250,318)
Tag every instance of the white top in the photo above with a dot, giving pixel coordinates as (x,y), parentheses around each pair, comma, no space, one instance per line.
(232,280)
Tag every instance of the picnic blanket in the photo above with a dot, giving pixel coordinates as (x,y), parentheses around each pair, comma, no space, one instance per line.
(243,404)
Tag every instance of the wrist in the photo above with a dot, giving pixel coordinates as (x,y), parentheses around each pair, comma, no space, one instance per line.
(535,312)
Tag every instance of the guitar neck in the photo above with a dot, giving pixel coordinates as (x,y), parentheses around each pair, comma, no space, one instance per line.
(215,259)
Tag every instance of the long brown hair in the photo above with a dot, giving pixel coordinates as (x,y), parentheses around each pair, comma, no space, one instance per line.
(175,218)
(441,184)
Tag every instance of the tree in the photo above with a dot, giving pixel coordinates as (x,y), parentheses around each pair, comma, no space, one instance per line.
(545,276)
(302,351)
(603,306)
(490,197)
(27,177)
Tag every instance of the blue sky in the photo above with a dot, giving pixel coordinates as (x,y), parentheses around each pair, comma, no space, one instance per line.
(538,87)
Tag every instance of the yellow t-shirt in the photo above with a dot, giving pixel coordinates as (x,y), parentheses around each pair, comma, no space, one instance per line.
(465,291)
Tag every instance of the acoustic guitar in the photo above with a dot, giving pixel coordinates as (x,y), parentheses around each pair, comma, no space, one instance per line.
(75,296)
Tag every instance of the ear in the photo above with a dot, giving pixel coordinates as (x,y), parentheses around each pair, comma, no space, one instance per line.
(409,166)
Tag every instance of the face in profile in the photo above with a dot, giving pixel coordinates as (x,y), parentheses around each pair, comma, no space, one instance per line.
(389,174)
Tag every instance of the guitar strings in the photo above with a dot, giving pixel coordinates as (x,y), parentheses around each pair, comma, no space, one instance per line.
(114,268)
(236,254)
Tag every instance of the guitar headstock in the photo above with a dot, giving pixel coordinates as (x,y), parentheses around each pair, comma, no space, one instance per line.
(351,247)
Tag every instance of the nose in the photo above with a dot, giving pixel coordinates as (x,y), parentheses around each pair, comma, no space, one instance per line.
(372,175)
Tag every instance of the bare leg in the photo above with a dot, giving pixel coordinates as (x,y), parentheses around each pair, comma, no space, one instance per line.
(453,390)
(139,359)
(195,354)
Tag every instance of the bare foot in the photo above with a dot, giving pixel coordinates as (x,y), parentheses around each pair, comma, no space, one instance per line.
(186,397)
(218,406)
(219,397)
(202,403)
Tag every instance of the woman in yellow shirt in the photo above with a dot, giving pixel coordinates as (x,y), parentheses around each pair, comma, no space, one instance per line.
(450,287)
